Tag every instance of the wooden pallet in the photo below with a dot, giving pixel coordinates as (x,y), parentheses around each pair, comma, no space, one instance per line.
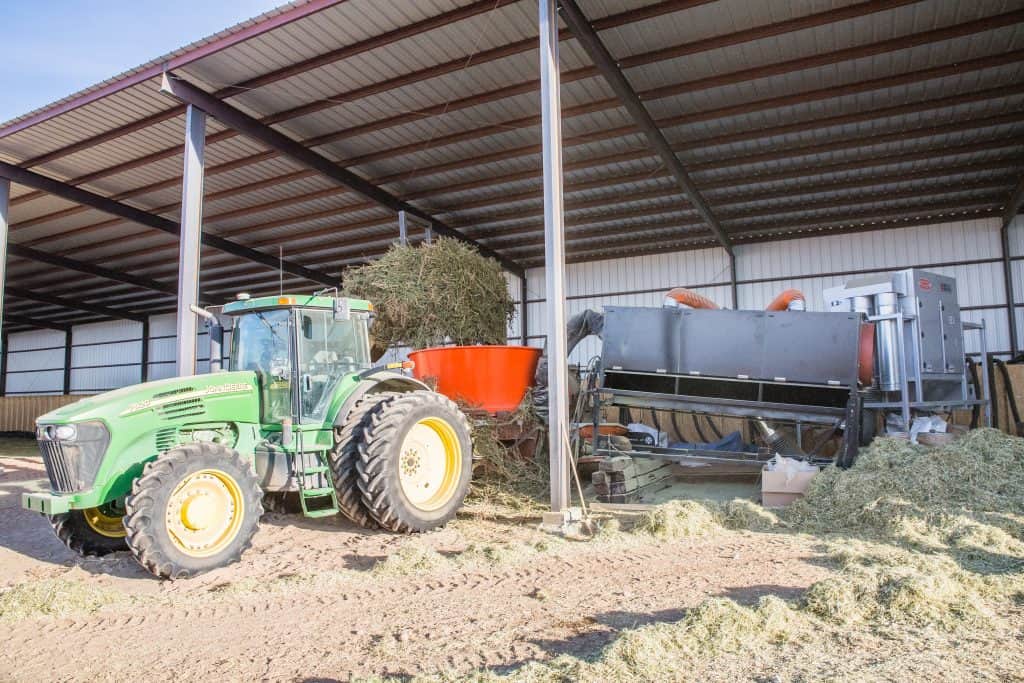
(622,479)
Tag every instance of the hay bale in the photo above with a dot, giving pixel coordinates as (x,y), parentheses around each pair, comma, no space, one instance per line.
(431,294)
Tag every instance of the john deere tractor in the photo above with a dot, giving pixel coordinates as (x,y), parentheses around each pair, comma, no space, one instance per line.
(175,470)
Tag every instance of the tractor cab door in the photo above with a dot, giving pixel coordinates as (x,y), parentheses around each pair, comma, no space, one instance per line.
(328,350)
(262,342)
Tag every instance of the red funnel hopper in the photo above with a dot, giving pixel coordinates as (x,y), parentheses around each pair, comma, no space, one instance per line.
(493,378)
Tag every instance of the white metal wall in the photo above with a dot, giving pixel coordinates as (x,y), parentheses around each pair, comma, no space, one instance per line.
(107,355)
(35,362)
(810,264)
(104,356)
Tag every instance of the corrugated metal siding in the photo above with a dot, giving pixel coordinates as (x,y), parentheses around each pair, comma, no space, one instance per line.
(35,362)
(105,356)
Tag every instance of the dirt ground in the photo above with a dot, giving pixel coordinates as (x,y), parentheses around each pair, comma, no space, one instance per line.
(321,600)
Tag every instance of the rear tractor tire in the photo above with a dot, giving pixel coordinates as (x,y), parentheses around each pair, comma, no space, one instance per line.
(94,532)
(415,461)
(195,508)
(344,458)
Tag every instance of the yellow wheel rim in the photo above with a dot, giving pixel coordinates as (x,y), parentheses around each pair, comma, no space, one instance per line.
(430,464)
(103,523)
(204,513)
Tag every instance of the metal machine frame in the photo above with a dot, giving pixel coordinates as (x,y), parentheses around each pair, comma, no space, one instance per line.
(905,403)
(759,365)
(728,363)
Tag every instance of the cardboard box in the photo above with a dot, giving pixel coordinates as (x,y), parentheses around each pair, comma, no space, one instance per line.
(780,488)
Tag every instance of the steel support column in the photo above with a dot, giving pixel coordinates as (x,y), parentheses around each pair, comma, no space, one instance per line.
(144,352)
(5,204)
(524,318)
(1011,313)
(191,238)
(554,256)
(3,363)
(733,286)
(68,345)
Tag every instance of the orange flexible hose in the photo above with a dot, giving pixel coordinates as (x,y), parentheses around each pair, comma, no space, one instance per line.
(784,299)
(688,297)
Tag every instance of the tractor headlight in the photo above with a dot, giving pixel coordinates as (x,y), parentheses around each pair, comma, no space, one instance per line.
(65,432)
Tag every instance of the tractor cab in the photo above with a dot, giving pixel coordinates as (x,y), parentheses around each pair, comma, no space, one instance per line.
(300,348)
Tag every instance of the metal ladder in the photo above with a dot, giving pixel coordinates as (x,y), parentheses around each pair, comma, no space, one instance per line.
(307,466)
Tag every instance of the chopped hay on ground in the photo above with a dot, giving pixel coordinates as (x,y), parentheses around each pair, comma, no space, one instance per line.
(54,597)
(414,558)
(678,519)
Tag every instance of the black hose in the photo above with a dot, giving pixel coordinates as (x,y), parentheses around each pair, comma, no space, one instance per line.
(1018,428)
(700,432)
(714,427)
(677,426)
(972,367)
(654,419)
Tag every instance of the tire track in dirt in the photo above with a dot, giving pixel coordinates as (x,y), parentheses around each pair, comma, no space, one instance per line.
(447,619)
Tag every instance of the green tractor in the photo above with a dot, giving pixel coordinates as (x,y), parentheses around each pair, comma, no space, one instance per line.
(175,470)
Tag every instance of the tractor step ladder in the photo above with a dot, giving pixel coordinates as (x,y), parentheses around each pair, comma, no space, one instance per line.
(325,496)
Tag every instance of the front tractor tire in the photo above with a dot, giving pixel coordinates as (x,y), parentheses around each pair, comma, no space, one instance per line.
(415,461)
(94,532)
(195,508)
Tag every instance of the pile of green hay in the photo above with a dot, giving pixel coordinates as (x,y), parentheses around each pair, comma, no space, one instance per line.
(885,584)
(968,491)
(430,294)
(679,519)
(665,651)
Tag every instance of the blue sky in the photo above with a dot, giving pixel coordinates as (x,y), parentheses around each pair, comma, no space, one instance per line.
(52,48)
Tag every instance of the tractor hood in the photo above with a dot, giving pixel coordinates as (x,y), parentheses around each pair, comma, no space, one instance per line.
(176,399)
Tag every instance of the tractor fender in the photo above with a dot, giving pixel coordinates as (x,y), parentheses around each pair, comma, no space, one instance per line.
(375,381)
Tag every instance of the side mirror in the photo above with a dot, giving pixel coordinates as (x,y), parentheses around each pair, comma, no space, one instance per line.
(307,383)
(201,312)
(307,327)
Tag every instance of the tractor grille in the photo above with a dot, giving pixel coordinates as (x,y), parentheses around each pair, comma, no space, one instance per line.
(61,466)
(72,464)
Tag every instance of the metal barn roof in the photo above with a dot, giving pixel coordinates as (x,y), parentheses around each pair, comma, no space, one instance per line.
(793,117)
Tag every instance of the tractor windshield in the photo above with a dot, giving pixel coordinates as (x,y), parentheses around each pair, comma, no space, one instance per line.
(260,343)
(329,349)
